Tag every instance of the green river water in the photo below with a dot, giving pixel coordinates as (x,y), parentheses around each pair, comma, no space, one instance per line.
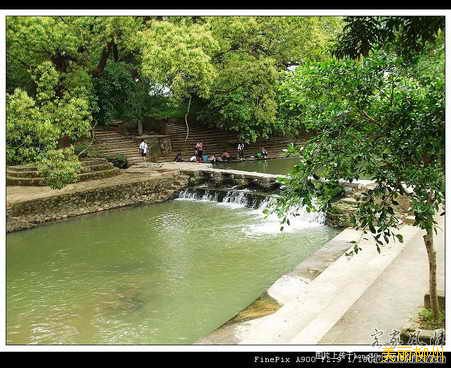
(168,273)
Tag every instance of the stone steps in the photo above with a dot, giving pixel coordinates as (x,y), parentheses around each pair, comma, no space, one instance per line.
(37,181)
(216,142)
(35,173)
(118,143)
(28,175)
(107,141)
(129,153)
(112,143)
(32,167)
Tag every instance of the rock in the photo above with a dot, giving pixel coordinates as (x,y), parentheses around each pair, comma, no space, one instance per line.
(412,335)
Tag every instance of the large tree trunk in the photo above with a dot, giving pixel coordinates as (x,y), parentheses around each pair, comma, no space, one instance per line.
(103,59)
(140,127)
(432,257)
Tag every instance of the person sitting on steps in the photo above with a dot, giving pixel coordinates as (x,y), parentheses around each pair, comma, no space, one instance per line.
(199,151)
(225,156)
(178,157)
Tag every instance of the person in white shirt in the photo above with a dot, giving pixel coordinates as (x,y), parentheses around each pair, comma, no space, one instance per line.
(241,151)
(143,149)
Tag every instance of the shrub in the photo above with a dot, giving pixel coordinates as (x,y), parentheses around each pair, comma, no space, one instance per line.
(426,320)
(118,160)
(59,167)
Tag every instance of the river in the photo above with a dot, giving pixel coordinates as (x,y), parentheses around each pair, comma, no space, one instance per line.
(168,273)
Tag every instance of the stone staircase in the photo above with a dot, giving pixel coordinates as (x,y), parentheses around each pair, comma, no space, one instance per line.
(28,175)
(217,141)
(111,143)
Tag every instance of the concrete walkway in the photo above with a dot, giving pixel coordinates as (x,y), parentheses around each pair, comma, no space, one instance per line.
(393,298)
(348,299)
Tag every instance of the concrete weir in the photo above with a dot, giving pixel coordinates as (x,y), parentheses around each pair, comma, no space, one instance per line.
(226,177)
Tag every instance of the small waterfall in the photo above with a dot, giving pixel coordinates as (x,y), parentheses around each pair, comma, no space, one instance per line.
(299,220)
(233,198)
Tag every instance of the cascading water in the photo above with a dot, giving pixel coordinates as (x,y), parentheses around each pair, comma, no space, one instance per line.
(299,218)
(233,198)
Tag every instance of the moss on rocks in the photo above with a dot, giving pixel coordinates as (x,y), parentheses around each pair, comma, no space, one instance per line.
(263,306)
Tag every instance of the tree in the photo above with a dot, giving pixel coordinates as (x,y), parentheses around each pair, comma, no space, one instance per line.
(230,66)
(380,117)
(252,53)
(35,126)
(179,57)
(220,69)
(408,35)
(51,64)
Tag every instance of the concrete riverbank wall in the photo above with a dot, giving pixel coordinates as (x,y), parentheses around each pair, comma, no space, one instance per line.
(29,209)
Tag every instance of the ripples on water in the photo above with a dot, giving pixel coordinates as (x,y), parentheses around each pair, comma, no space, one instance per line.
(263,224)
(168,273)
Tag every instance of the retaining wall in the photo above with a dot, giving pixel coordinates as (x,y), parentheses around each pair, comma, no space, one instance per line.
(29,213)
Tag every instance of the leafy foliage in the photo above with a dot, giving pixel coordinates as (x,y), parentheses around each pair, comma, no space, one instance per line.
(426,320)
(119,161)
(377,117)
(34,126)
(229,66)
(28,133)
(253,51)
(59,167)
(408,35)
(178,56)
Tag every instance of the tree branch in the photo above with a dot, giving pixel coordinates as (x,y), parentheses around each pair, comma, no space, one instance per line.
(103,59)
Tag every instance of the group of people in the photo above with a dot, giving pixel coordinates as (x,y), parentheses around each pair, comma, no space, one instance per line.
(199,155)
(263,153)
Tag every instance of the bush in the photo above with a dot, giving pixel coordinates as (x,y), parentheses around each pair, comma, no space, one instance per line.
(119,161)
(59,167)
(426,320)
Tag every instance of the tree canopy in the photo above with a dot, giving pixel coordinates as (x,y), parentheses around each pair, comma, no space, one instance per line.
(66,73)
(379,116)
(407,34)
